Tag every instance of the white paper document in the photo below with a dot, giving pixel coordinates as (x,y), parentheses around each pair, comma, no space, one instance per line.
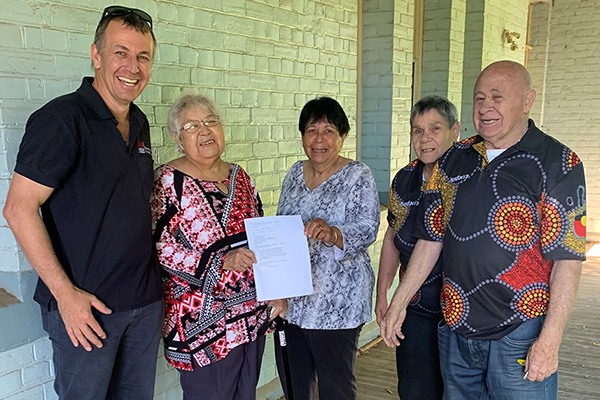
(281,249)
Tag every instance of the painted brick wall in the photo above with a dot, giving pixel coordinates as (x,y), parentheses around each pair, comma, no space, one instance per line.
(456,55)
(443,49)
(500,15)
(377,81)
(262,63)
(386,87)
(27,373)
(261,60)
(537,59)
(485,23)
(472,62)
(572,95)
(402,85)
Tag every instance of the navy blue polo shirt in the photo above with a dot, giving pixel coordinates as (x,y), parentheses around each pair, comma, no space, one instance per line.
(405,195)
(98,216)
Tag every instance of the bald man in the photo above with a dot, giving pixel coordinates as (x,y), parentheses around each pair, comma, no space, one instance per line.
(508,208)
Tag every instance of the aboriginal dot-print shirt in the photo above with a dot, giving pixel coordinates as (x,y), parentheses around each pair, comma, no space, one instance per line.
(208,310)
(405,194)
(503,223)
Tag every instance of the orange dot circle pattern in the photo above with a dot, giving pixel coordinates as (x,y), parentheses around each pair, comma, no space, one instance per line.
(434,216)
(534,301)
(454,305)
(551,224)
(513,223)
(415,299)
(570,160)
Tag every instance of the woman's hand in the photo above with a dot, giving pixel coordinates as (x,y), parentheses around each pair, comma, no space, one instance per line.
(239,260)
(278,308)
(381,307)
(318,229)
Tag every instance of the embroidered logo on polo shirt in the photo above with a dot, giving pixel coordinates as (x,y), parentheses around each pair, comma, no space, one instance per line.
(143,149)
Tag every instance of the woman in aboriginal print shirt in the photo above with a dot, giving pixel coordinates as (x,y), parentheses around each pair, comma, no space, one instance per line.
(339,205)
(434,128)
(214,329)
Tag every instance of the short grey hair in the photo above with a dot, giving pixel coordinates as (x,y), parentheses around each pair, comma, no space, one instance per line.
(186,101)
(438,103)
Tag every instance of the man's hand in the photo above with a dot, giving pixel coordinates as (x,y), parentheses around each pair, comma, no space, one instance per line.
(391,325)
(75,309)
(542,360)
(278,308)
(21,211)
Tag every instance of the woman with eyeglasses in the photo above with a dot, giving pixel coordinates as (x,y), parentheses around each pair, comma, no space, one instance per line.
(214,329)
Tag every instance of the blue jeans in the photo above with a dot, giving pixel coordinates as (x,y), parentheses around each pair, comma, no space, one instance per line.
(488,369)
(125,366)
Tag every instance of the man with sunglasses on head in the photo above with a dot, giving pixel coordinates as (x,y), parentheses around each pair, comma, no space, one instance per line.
(85,161)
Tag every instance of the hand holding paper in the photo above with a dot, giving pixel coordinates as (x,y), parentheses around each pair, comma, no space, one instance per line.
(281,249)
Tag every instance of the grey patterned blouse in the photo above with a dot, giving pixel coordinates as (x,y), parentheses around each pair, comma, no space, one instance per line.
(343,280)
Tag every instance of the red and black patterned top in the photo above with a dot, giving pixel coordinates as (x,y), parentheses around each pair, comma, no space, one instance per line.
(208,310)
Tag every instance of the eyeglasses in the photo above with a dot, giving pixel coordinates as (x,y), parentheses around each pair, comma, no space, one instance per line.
(194,126)
(119,11)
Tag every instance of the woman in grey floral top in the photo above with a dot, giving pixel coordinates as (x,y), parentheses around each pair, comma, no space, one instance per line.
(339,205)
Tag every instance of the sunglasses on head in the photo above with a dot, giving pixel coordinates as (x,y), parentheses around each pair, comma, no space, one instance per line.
(118,11)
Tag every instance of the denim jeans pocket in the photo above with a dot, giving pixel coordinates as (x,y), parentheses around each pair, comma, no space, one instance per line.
(45,318)
(52,323)
(442,324)
(506,372)
(525,334)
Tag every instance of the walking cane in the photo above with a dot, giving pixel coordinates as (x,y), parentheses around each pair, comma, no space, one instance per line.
(280,325)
